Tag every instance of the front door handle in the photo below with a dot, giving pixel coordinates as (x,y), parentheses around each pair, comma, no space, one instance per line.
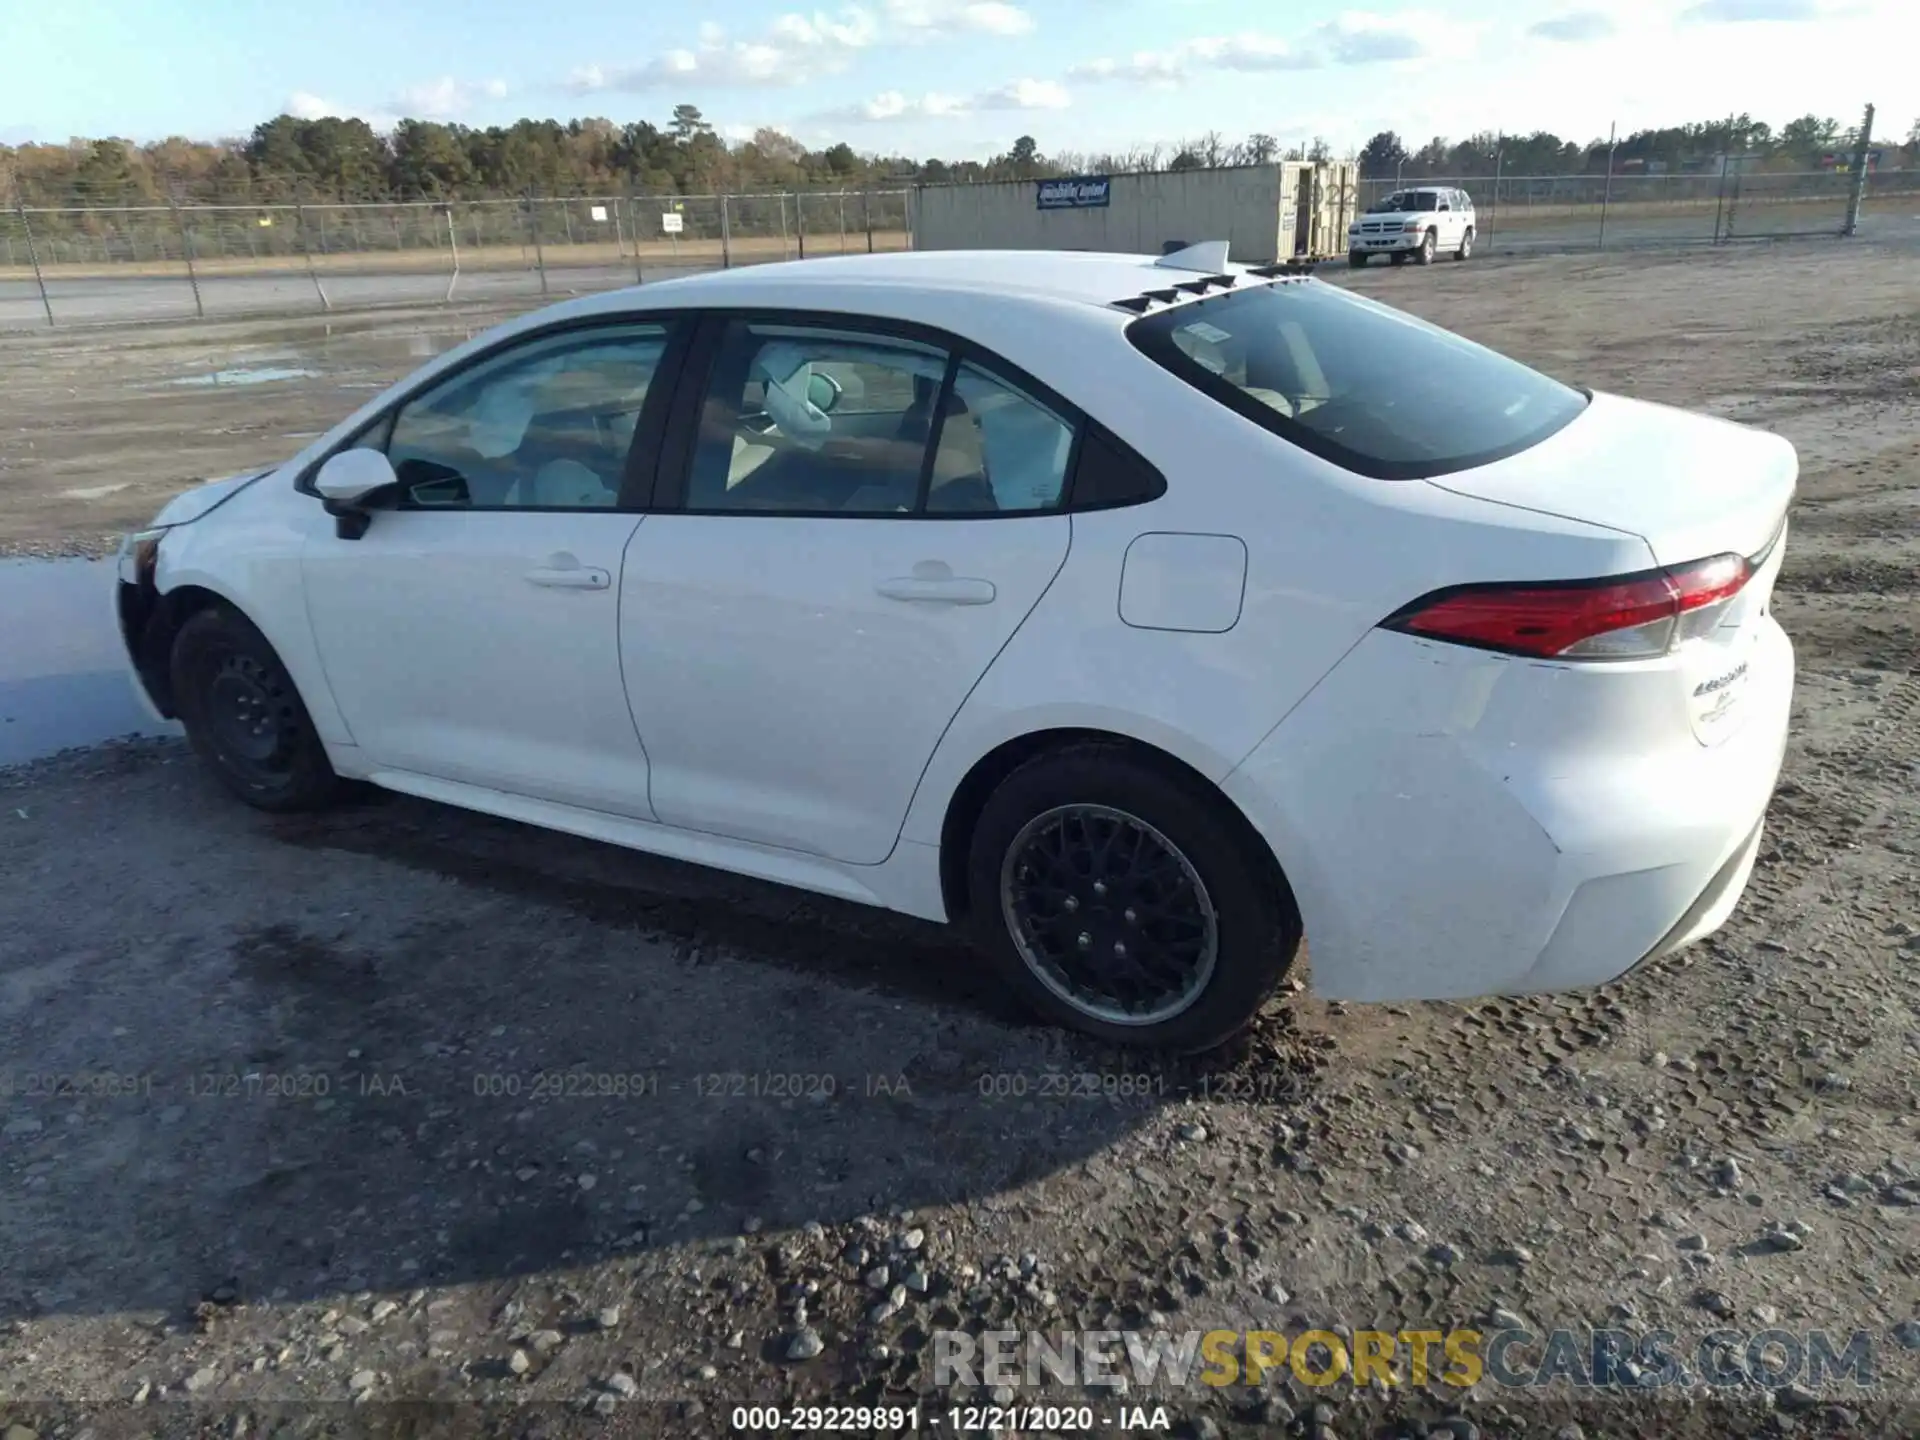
(570,578)
(946,590)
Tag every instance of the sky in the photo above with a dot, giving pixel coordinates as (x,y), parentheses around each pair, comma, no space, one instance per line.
(955,78)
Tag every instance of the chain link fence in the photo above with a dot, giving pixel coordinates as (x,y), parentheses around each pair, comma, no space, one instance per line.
(105,263)
(1575,212)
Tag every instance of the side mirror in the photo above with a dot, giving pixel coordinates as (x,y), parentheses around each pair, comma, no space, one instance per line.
(346,482)
(350,476)
(823,392)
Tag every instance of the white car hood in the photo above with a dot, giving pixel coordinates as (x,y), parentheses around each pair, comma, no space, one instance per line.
(190,505)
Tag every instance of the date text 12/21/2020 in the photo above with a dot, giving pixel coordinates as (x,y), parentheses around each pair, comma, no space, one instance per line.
(954,1420)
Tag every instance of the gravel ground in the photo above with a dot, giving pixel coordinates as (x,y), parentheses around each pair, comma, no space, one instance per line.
(426,1118)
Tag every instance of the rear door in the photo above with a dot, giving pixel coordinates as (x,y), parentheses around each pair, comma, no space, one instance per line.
(853,522)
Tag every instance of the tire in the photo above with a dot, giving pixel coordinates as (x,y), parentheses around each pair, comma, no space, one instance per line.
(1356,258)
(1466,245)
(243,716)
(1397,257)
(1226,932)
(1424,255)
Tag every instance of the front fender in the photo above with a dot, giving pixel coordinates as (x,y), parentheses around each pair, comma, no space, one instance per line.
(249,556)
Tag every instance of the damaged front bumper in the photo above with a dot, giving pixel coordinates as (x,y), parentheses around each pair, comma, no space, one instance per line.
(137,608)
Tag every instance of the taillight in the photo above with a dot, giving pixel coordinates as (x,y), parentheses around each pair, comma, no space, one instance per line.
(1622,617)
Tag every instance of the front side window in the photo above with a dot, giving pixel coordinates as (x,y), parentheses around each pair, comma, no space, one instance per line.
(1370,388)
(822,420)
(545,425)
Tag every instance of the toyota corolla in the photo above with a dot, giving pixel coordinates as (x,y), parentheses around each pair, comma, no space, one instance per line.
(1156,619)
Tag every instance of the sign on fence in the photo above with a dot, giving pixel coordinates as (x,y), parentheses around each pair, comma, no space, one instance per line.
(672,224)
(597,212)
(1075,192)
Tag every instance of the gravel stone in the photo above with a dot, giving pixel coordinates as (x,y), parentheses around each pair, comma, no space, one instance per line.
(805,1343)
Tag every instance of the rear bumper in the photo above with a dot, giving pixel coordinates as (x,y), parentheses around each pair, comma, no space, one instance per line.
(1457,824)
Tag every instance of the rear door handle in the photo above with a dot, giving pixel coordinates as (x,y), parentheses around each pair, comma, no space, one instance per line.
(578,578)
(955,590)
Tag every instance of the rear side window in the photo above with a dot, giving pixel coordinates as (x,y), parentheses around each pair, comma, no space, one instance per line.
(1370,388)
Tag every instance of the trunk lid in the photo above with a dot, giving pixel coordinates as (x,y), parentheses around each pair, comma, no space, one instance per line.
(1689,485)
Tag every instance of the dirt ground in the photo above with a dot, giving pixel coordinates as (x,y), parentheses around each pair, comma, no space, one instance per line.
(409,1105)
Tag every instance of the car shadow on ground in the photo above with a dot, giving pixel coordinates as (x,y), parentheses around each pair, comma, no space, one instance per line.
(399,1045)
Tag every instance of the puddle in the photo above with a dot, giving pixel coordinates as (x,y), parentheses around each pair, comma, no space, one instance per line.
(260,375)
(95,492)
(63,680)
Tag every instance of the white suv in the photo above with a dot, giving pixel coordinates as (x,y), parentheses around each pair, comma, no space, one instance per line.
(1421,222)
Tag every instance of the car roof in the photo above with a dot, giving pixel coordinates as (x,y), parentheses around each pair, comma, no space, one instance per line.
(1078,279)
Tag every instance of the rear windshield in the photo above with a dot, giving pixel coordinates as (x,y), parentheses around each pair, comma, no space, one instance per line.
(1363,385)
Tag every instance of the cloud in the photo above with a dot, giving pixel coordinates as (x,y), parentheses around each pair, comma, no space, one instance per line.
(794,48)
(1016,95)
(1727,12)
(1025,95)
(1574,27)
(1361,38)
(1247,51)
(930,18)
(442,99)
(304,105)
(797,47)
(1355,38)
(446,98)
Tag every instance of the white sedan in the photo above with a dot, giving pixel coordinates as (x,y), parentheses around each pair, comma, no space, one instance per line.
(1144,616)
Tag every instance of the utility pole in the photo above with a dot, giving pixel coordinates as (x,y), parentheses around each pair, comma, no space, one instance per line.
(1862,151)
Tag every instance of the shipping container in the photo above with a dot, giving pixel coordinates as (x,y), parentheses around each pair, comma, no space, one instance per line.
(1291,209)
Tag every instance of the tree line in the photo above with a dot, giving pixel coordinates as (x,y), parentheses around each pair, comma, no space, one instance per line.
(1797,145)
(290,159)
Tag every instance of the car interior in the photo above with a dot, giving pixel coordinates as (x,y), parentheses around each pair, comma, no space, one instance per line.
(863,455)
(551,435)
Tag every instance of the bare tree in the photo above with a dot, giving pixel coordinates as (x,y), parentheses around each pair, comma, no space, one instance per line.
(1259,149)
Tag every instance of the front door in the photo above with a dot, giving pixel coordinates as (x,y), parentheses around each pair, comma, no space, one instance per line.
(472,633)
(866,521)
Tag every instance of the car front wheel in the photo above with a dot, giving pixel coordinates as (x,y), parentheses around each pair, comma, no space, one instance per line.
(243,716)
(1424,255)
(1123,901)
(1356,258)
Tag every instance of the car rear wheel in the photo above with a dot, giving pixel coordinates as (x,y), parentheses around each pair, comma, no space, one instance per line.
(243,716)
(1122,901)
(1424,255)
(1466,244)
(1356,258)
